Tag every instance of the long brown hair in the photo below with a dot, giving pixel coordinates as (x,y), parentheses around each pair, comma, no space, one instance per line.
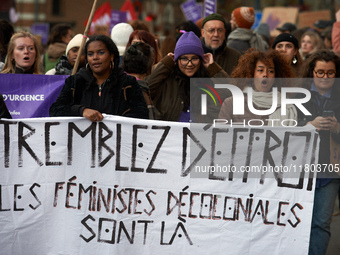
(316,40)
(9,66)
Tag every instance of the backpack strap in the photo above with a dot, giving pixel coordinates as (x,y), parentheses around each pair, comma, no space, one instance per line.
(147,96)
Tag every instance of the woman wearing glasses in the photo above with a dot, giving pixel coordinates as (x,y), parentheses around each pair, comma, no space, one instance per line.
(169,82)
(322,67)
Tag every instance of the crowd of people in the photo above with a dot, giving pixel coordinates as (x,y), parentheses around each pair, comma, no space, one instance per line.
(133,74)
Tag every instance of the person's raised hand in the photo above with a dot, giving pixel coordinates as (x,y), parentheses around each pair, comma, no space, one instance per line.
(171,55)
(322,123)
(208,59)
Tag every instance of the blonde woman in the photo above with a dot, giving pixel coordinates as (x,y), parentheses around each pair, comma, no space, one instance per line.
(23,54)
(310,43)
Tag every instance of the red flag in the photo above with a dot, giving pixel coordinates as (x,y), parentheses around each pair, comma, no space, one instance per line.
(130,9)
(101,17)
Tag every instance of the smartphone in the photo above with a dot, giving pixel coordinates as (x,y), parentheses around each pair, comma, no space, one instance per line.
(327,114)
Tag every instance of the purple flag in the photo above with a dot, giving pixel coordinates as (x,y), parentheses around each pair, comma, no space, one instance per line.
(199,8)
(209,7)
(191,11)
(117,17)
(30,95)
(41,29)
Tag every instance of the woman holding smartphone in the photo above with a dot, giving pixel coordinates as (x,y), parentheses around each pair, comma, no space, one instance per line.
(323,67)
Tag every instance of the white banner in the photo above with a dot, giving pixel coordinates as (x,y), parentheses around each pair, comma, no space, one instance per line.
(128,186)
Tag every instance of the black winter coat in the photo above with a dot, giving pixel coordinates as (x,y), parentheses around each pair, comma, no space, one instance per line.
(122,98)
(4,113)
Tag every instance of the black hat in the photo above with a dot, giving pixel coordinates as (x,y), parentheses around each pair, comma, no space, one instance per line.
(324,23)
(284,37)
(287,26)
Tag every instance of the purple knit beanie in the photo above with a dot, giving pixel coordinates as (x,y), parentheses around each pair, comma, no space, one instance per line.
(188,43)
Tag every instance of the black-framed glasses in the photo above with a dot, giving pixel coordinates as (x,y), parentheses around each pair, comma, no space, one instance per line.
(185,61)
(321,73)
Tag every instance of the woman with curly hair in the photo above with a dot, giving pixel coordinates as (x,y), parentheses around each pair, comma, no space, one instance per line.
(137,62)
(23,54)
(322,68)
(101,87)
(257,75)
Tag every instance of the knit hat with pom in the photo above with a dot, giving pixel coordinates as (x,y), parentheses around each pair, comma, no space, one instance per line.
(188,43)
(244,17)
(120,35)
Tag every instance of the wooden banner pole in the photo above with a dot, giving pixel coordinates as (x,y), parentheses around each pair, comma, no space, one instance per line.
(88,25)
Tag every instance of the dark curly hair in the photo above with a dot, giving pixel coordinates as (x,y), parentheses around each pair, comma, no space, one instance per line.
(6,32)
(321,55)
(247,63)
(310,63)
(148,38)
(138,58)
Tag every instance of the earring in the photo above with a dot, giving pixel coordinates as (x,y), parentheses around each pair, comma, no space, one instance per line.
(112,65)
(294,60)
(87,66)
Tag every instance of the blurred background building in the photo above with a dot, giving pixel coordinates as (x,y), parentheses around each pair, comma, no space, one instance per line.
(161,15)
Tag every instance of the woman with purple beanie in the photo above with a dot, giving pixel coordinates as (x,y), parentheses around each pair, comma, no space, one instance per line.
(169,82)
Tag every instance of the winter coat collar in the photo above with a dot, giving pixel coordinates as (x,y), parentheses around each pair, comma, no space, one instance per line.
(217,51)
(22,71)
(241,34)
